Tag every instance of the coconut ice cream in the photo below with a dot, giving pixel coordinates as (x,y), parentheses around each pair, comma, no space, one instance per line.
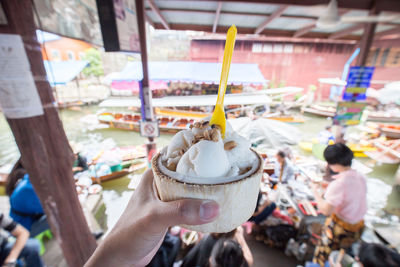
(199,163)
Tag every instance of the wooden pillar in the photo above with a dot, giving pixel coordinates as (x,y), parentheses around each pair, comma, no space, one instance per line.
(366,40)
(146,90)
(45,150)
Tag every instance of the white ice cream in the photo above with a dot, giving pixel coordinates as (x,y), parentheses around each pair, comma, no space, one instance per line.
(204,159)
(207,158)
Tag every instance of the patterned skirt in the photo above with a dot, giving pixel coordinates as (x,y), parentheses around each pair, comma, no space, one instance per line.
(336,234)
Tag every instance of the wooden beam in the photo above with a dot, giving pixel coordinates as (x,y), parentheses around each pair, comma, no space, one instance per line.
(270,18)
(217,13)
(367,38)
(379,35)
(346,31)
(304,30)
(44,147)
(158,13)
(232,13)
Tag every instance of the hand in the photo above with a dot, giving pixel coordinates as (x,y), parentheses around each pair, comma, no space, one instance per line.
(141,228)
(77,169)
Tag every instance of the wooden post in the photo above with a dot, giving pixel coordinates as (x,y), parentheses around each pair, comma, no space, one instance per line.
(140,13)
(366,40)
(45,150)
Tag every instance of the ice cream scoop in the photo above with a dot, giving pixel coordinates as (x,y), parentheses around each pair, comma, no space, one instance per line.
(204,159)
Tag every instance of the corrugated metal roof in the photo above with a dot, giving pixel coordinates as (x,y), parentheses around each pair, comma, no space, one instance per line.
(61,72)
(311,11)
(288,24)
(240,20)
(249,16)
(339,27)
(249,7)
(193,5)
(190,71)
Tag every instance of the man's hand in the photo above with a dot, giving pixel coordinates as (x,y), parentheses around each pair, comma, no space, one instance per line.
(141,229)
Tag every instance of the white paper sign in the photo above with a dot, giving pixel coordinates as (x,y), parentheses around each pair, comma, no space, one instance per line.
(18,95)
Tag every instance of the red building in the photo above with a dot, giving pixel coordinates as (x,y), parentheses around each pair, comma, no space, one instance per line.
(301,62)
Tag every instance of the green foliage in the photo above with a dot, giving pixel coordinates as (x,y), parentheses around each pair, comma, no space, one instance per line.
(95,67)
(297,96)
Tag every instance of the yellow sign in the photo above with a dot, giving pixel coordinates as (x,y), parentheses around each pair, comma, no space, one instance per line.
(356,90)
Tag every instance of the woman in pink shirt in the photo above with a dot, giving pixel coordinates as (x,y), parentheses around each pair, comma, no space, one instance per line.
(344,202)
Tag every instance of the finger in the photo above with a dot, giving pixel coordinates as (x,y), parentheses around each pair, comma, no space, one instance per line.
(146,187)
(187,211)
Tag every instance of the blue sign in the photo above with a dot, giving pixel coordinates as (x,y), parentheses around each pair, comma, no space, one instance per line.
(358,81)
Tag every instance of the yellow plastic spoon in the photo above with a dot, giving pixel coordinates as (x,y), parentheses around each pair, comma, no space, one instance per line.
(218,116)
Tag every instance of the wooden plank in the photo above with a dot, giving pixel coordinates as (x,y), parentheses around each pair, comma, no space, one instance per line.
(270,18)
(217,13)
(304,30)
(346,31)
(158,13)
(232,13)
(379,35)
(45,151)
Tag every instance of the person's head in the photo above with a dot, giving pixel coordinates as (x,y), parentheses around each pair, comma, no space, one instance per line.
(230,234)
(338,156)
(280,156)
(328,128)
(227,252)
(376,255)
(17,173)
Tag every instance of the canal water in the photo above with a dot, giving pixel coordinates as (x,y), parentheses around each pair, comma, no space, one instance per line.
(81,126)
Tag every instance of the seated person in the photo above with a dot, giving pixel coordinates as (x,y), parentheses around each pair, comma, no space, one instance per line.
(284,170)
(26,208)
(25,205)
(326,136)
(262,212)
(228,252)
(80,163)
(200,253)
(376,255)
(23,248)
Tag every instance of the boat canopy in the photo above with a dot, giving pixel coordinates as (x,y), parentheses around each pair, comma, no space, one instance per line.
(194,72)
(61,72)
(187,101)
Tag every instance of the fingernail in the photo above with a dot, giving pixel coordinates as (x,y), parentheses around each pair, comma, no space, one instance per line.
(208,210)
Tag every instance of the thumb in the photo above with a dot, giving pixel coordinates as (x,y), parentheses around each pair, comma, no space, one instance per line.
(188,211)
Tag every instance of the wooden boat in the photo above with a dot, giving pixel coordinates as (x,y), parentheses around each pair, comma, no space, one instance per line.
(387,152)
(358,150)
(130,122)
(111,176)
(324,111)
(131,167)
(288,119)
(382,116)
(390,131)
(179,113)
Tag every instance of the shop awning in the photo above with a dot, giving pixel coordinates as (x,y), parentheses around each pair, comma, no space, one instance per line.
(61,72)
(134,85)
(186,101)
(196,72)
